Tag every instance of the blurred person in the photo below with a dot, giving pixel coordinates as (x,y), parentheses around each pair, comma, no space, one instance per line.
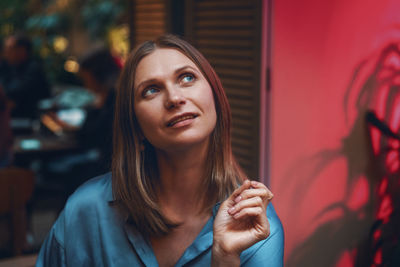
(99,72)
(5,132)
(175,196)
(3,64)
(22,77)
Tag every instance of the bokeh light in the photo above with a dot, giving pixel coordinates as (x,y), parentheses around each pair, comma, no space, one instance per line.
(60,44)
(71,65)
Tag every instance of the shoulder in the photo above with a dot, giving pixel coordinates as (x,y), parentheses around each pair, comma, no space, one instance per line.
(96,191)
(89,205)
(73,232)
(269,250)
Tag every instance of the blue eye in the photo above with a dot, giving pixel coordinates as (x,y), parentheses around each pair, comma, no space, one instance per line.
(187,78)
(150,91)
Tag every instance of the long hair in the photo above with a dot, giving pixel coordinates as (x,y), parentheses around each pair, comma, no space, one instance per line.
(135,172)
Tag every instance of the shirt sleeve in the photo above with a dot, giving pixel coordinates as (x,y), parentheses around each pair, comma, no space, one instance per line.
(268,252)
(52,252)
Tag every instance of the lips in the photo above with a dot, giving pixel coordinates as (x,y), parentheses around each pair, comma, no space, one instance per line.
(181,117)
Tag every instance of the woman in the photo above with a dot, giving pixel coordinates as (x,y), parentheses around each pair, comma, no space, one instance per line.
(172,166)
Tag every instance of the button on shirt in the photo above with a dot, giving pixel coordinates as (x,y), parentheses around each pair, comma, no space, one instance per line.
(91,232)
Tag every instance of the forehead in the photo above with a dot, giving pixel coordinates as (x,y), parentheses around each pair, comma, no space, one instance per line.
(162,61)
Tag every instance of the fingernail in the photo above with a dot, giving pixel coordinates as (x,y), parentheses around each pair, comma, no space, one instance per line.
(231,210)
(237,199)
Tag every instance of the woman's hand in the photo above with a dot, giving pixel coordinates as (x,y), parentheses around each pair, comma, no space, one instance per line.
(240,223)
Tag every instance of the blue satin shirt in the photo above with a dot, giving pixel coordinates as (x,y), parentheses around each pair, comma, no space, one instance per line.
(91,232)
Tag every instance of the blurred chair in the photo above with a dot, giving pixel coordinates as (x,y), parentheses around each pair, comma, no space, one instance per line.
(16,188)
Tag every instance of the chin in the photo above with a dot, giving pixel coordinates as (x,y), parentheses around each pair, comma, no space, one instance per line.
(182,143)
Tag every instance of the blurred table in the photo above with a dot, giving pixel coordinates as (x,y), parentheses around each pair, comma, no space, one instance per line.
(23,125)
(39,144)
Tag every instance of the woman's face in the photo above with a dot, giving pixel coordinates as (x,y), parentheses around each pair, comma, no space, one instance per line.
(174,103)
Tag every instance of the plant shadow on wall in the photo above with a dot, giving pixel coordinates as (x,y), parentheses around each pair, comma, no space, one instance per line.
(367,233)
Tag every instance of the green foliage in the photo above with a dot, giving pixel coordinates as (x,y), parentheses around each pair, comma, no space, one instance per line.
(12,16)
(45,20)
(98,16)
(50,24)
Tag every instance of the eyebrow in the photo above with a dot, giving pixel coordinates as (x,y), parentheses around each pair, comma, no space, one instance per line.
(152,80)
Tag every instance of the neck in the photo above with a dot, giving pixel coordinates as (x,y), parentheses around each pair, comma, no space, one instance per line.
(182,174)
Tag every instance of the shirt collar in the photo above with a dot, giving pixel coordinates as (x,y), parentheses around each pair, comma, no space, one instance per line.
(145,252)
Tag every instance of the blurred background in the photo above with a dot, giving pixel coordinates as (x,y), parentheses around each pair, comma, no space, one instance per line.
(314,91)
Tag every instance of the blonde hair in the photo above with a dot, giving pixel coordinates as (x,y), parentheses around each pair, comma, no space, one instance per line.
(135,172)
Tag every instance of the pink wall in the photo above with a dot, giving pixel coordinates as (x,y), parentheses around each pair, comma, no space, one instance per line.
(320,145)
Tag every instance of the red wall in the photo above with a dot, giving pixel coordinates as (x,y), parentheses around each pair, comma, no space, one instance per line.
(332,61)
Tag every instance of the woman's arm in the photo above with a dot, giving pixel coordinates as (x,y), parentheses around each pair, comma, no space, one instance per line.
(52,252)
(240,223)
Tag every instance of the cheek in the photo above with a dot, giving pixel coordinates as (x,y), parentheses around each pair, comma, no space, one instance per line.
(146,118)
(209,106)
(213,113)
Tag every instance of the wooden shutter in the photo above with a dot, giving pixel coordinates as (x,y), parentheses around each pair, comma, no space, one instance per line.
(149,20)
(228,33)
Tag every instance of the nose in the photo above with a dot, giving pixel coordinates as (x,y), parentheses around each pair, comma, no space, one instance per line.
(175,98)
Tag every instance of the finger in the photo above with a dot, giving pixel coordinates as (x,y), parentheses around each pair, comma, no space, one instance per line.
(252,211)
(253,185)
(246,184)
(259,185)
(247,203)
(264,193)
